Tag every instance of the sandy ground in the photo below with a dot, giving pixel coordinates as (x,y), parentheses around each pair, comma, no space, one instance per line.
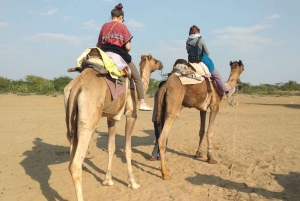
(260,136)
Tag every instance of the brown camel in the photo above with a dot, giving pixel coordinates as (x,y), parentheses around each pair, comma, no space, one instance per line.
(87,99)
(146,70)
(173,95)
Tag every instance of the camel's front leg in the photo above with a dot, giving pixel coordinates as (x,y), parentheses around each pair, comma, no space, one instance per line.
(130,121)
(213,113)
(111,150)
(199,153)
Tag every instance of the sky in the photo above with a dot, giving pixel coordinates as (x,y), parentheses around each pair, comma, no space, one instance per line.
(45,37)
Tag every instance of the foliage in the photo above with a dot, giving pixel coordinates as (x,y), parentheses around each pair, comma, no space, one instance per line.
(290,88)
(61,82)
(39,85)
(153,86)
(5,84)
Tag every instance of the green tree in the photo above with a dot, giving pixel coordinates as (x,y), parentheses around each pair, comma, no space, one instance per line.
(61,82)
(40,84)
(5,85)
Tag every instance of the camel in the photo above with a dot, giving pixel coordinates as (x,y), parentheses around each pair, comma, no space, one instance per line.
(87,99)
(173,95)
(146,70)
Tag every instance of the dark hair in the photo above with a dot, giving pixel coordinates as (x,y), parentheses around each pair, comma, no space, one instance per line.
(194,29)
(117,11)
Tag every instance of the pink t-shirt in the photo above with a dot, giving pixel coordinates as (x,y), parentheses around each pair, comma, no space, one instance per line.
(118,35)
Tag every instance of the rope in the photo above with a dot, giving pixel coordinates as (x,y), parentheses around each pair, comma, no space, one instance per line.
(233,155)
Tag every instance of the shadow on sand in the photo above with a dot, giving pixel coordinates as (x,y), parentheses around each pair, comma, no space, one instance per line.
(290,183)
(292,106)
(37,162)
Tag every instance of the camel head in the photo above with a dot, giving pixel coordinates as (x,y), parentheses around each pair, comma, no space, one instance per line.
(148,63)
(237,67)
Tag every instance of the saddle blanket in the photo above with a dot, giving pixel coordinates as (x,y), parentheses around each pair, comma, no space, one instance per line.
(201,72)
(107,61)
(115,88)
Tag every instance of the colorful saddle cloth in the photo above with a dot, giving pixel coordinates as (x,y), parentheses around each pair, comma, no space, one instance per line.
(194,73)
(107,61)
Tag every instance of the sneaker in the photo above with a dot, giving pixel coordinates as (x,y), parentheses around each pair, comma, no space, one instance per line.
(230,92)
(145,107)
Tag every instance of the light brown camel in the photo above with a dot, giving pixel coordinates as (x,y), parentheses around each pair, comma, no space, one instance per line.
(173,95)
(87,99)
(146,70)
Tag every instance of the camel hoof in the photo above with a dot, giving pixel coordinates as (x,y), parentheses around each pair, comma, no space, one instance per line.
(107,183)
(134,186)
(166,177)
(199,155)
(212,161)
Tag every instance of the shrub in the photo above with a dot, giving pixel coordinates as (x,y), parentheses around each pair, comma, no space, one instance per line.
(61,82)
(5,84)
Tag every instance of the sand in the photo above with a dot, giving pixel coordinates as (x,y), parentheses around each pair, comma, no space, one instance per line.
(260,137)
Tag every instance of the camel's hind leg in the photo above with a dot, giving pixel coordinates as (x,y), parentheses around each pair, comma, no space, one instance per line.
(171,113)
(78,151)
(88,118)
(199,153)
(213,113)
(111,150)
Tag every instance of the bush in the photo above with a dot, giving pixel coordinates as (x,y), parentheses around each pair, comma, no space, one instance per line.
(153,86)
(41,85)
(5,85)
(61,82)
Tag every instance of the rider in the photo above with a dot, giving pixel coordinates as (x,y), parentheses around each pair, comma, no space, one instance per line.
(115,37)
(194,36)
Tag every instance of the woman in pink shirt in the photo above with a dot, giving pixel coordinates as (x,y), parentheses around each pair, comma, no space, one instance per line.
(115,37)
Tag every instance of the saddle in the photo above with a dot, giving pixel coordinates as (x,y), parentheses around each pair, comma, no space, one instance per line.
(191,73)
(98,60)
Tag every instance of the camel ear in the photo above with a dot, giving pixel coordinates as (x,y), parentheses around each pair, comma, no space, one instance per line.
(230,63)
(240,63)
(149,56)
(142,57)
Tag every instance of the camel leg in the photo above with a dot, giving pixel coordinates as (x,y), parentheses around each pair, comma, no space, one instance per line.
(171,113)
(130,121)
(213,113)
(87,120)
(111,151)
(73,147)
(79,150)
(199,153)
(162,147)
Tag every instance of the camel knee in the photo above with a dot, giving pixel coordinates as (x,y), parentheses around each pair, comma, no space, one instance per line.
(76,172)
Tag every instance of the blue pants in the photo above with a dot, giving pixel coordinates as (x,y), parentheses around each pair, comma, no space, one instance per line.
(214,73)
(208,62)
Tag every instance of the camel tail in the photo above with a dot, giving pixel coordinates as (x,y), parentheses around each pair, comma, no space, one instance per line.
(72,114)
(161,105)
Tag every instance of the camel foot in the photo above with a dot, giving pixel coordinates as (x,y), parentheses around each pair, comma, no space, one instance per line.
(134,186)
(212,161)
(166,177)
(199,155)
(108,182)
